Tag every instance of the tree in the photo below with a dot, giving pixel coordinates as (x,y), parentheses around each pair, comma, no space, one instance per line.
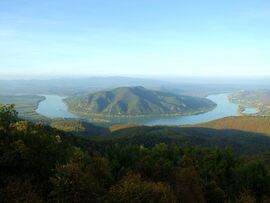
(8,115)
(187,184)
(134,190)
(245,197)
(19,191)
(214,194)
(219,165)
(255,177)
(81,180)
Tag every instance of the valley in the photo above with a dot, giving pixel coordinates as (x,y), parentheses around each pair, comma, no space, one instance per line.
(50,107)
(52,140)
(134,101)
(223,109)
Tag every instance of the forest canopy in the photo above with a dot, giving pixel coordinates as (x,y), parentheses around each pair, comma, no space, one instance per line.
(39,163)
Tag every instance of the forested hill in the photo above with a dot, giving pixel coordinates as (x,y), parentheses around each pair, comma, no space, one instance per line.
(39,163)
(137,101)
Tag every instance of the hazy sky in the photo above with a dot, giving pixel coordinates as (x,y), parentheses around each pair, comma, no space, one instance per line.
(135,37)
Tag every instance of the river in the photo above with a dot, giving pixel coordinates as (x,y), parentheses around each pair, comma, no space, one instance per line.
(54,107)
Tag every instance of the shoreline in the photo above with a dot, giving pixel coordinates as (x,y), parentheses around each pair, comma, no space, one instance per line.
(140,115)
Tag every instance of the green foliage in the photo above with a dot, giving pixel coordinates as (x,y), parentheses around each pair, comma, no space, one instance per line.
(134,190)
(137,101)
(187,183)
(240,141)
(83,179)
(17,191)
(255,177)
(214,194)
(8,115)
(39,163)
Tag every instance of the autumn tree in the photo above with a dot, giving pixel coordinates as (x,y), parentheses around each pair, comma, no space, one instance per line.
(134,190)
(81,180)
(187,185)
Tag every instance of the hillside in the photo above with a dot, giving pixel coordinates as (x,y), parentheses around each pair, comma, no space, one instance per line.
(137,101)
(259,99)
(242,142)
(240,139)
(255,124)
(78,127)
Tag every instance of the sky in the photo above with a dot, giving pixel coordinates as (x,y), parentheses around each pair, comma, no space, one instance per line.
(172,38)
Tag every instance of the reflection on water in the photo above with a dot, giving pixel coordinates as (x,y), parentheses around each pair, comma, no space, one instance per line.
(54,107)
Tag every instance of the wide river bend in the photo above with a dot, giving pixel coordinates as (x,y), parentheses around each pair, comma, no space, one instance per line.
(54,107)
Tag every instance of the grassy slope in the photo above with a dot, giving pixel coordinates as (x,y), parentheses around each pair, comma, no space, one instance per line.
(256,124)
(117,127)
(79,128)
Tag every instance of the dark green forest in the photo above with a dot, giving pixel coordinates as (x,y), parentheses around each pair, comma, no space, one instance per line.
(39,163)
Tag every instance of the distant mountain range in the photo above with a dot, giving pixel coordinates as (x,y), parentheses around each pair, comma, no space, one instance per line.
(73,86)
(137,101)
(69,86)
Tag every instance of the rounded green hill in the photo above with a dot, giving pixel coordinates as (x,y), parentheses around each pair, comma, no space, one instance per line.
(137,101)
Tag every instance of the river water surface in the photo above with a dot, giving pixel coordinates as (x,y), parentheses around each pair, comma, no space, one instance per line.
(54,107)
